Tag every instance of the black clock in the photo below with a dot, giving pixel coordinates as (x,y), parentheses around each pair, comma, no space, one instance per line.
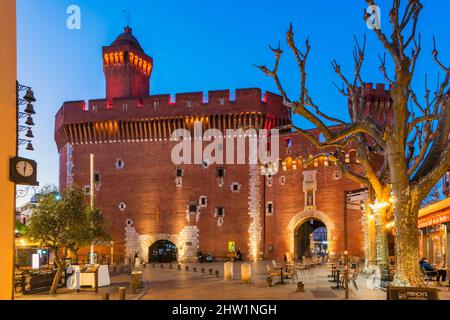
(23,171)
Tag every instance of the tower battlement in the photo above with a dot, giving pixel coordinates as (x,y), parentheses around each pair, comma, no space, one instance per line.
(179,105)
(158,115)
(376,106)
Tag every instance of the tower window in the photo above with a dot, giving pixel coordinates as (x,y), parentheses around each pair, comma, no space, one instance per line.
(203,201)
(97,178)
(122,206)
(120,164)
(269,208)
(235,187)
(220,172)
(220,212)
(87,190)
(179,173)
(193,208)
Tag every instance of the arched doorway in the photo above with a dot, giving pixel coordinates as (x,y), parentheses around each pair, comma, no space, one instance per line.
(311,238)
(162,251)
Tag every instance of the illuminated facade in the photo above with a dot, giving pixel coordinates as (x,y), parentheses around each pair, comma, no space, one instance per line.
(8,77)
(151,204)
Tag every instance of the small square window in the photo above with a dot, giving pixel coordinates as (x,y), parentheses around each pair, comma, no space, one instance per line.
(120,164)
(97,177)
(87,190)
(179,173)
(235,187)
(220,212)
(192,208)
(203,201)
(269,208)
(122,206)
(220,172)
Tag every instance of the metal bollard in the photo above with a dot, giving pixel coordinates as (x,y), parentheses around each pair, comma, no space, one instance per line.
(122,293)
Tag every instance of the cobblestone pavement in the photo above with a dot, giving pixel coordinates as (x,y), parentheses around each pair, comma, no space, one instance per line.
(173,284)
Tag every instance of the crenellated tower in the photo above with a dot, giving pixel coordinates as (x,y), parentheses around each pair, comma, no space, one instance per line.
(127,68)
(376,106)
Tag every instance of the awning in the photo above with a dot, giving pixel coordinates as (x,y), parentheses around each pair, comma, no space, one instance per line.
(436,218)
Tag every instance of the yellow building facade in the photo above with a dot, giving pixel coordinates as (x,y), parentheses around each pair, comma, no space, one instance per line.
(8,76)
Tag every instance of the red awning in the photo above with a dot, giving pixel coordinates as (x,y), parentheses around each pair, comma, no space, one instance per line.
(436,218)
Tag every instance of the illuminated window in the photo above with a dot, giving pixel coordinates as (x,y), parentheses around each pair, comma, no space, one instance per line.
(231,246)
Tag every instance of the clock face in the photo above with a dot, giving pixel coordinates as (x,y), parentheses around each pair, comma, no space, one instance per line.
(24,168)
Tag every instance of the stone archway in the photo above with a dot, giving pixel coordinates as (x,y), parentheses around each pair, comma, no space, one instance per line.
(304,216)
(162,251)
(146,241)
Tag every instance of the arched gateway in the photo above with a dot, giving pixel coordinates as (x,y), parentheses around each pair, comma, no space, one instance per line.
(310,230)
(162,251)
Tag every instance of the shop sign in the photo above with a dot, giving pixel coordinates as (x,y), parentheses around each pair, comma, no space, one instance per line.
(412,293)
(434,220)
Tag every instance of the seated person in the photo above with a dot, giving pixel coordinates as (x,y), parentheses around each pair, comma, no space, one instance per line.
(441,273)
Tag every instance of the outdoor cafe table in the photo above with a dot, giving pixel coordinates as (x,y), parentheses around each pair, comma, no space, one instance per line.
(281,268)
(337,279)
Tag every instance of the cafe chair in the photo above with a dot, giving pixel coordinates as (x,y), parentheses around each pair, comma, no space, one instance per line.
(428,275)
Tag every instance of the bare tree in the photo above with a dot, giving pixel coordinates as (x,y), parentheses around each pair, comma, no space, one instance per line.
(413,141)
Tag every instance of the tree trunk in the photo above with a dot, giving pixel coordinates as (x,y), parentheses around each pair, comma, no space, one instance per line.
(407,243)
(371,242)
(58,275)
(382,245)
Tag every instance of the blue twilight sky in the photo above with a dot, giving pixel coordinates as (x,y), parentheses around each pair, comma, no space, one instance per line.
(199,46)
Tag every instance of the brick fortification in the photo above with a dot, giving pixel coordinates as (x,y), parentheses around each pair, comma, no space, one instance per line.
(146,198)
